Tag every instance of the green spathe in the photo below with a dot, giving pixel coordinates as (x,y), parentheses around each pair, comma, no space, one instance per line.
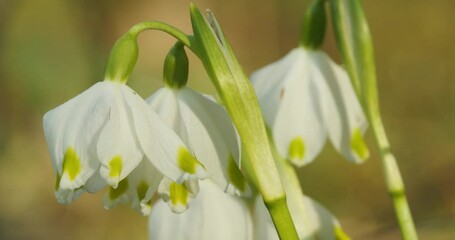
(239,98)
(71,163)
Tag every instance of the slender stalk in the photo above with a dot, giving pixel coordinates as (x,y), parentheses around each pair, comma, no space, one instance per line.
(356,46)
(394,182)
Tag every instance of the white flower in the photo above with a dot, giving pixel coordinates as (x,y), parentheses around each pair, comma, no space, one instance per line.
(102,135)
(206,129)
(213,215)
(306,96)
(311,222)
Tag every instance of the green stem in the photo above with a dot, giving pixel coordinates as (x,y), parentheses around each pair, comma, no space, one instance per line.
(394,181)
(356,46)
(278,209)
(239,98)
(188,41)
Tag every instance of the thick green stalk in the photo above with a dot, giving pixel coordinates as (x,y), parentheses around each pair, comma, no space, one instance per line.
(239,98)
(356,46)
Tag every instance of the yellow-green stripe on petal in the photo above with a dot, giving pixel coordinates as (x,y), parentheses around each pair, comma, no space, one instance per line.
(358,144)
(115,166)
(186,161)
(121,188)
(71,163)
(178,193)
(234,174)
(57,182)
(296,149)
(340,234)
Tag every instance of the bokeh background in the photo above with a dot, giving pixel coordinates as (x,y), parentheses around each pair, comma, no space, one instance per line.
(51,50)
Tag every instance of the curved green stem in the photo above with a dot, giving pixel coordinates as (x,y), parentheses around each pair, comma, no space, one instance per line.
(171,30)
(124,53)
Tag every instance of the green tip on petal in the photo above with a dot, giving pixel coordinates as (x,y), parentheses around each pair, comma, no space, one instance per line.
(114,193)
(186,161)
(57,182)
(340,234)
(71,163)
(142,190)
(178,194)
(115,166)
(234,174)
(297,149)
(358,145)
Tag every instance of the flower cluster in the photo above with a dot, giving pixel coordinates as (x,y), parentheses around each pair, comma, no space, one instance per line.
(186,146)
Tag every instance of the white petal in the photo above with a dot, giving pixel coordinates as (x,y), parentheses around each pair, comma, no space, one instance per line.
(138,188)
(95,183)
(269,82)
(298,130)
(178,196)
(343,113)
(117,147)
(71,130)
(160,144)
(65,196)
(212,215)
(212,138)
(315,223)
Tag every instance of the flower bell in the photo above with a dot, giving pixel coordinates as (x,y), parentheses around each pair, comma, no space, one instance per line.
(101,136)
(305,96)
(202,124)
(213,215)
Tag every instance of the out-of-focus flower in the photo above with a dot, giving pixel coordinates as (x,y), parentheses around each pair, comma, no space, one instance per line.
(205,127)
(305,96)
(101,136)
(213,215)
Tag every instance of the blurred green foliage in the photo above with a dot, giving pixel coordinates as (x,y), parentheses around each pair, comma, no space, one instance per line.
(51,50)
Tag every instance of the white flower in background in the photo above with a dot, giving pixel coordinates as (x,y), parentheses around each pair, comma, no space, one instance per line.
(206,129)
(313,222)
(304,97)
(101,136)
(213,215)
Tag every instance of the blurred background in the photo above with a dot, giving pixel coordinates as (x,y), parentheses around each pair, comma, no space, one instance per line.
(51,50)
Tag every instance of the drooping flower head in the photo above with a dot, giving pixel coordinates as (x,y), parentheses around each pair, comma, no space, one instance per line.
(203,125)
(305,96)
(212,215)
(101,136)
